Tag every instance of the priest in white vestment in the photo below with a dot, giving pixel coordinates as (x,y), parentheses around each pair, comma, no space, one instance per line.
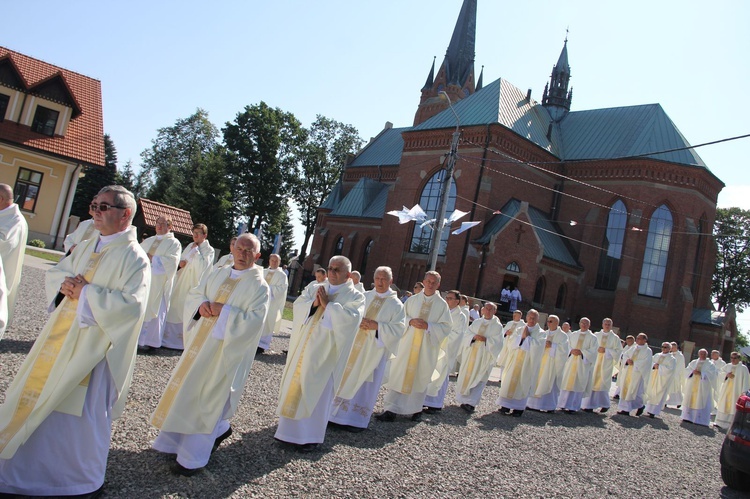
(509,330)
(56,422)
(223,324)
(521,369)
(195,261)
(163,251)
(576,378)
(85,230)
(326,320)
(479,350)
(428,323)
(227,259)
(634,376)
(13,234)
(449,351)
(735,381)
(697,394)
(357,281)
(3,303)
(278,284)
(663,371)
(377,339)
(608,352)
(678,380)
(545,394)
(719,364)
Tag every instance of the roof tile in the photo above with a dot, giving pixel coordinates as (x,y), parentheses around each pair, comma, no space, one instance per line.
(182,222)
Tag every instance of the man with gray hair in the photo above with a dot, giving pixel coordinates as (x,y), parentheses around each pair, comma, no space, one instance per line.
(698,392)
(13,234)
(576,378)
(56,422)
(356,279)
(544,396)
(377,339)
(277,284)
(326,319)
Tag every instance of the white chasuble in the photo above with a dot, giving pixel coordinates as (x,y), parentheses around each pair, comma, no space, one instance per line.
(13,235)
(660,381)
(319,346)
(277,283)
(605,361)
(478,357)
(84,231)
(449,351)
(367,350)
(412,369)
(54,376)
(552,363)
(576,375)
(698,389)
(731,389)
(199,260)
(522,363)
(165,256)
(630,376)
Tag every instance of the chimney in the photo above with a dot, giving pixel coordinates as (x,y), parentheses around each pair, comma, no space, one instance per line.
(528,95)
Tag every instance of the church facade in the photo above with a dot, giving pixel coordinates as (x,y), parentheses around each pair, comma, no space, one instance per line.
(597,213)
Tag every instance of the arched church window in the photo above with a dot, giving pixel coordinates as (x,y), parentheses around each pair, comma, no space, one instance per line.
(610,258)
(513,267)
(339,246)
(657,253)
(541,284)
(429,201)
(561,293)
(366,257)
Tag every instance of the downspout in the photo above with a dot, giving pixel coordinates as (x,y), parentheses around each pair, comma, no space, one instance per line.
(71,192)
(480,281)
(473,210)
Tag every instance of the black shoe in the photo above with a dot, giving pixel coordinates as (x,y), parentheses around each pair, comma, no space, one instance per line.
(91,495)
(431,410)
(386,416)
(178,469)
(680,405)
(260,351)
(603,410)
(468,408)
(516,414)
(285,352)
(532,409)
(417,416)
(640,410)
(306,448)
(504,411)
(346,427)
(569,411)
(616,397)
(652,416)
(220,439)
(587,410)
(623,413)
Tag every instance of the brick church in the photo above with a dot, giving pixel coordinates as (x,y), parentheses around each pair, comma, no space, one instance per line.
(597,213)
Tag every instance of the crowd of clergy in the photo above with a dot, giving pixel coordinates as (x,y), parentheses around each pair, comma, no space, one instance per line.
(111,297)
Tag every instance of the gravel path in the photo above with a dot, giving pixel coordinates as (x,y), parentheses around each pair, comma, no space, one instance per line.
(449,454)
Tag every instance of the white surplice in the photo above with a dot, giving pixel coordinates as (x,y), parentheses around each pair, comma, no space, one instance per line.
(165,255)
(13,234)
(278,285)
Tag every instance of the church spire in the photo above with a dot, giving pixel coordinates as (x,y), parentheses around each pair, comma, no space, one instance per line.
(430,77)
(456,74)
(557,97)
(479,80)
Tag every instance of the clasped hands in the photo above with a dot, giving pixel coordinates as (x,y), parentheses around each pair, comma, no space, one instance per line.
(368,324)
(576,351)
(72,286)
(321,298)
(210,309)
(418,323)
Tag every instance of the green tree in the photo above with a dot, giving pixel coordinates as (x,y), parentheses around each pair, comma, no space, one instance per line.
(263,145)
(210,201)
(329,144)
(93,178)
(280,224)
(731,280)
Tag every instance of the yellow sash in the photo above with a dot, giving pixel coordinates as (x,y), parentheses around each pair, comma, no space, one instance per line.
(361,339)
(574,368)
(46,358)
(416,346)
(188,357)
(473,356)
(521,357)
(294,393)
(729,401)
(629,376)
(269,276)
(598,374)
(154,247)
(696,380)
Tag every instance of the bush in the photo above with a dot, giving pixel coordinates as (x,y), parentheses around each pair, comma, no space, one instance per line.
(37,243)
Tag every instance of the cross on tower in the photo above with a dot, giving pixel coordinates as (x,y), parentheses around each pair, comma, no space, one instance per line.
(520,232)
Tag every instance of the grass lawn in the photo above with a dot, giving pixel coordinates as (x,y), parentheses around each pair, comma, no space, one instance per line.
(41,254)
(287,313)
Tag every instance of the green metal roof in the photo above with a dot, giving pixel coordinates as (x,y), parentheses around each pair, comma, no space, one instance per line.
(707,316)
(334,197)
(554,246)
(383,150)
(366,200)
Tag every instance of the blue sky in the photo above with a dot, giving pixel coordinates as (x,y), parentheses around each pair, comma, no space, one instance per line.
(363,63)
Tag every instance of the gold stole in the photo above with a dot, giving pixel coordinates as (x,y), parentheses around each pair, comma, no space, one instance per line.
(268,277)
(545,358)
(416,346)
(520,358)
(46,359)
(188,357)
(629,376)
(598,374)
(294,393)
(729,402)
(473,355)
(696,380)
(154,247)
(362,334)
(574,368)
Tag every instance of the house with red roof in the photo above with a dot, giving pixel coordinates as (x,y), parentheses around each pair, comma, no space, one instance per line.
(51,126)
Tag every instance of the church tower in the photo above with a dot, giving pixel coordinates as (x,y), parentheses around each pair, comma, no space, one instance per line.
(456,75)
(557,97)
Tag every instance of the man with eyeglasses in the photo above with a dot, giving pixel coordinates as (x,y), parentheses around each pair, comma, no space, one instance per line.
(163,252)
(225,314)
(555,354)
(576,377)
(377,339)
(13,234)
(56,422)
(697,394)
(663,370)
(278,284)
(608,352)
(521,369)
(479,349)
(428,323)
(195,261)
(326,319)
(449,350)
(675,391)
(634,377)
(735,380)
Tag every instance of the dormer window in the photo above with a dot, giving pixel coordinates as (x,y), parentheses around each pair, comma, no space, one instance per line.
(4,100)
(45,121)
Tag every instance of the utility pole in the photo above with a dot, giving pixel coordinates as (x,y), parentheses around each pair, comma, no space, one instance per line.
(445,189)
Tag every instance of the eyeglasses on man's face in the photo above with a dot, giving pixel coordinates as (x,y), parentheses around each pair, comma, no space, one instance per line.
(104,207)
